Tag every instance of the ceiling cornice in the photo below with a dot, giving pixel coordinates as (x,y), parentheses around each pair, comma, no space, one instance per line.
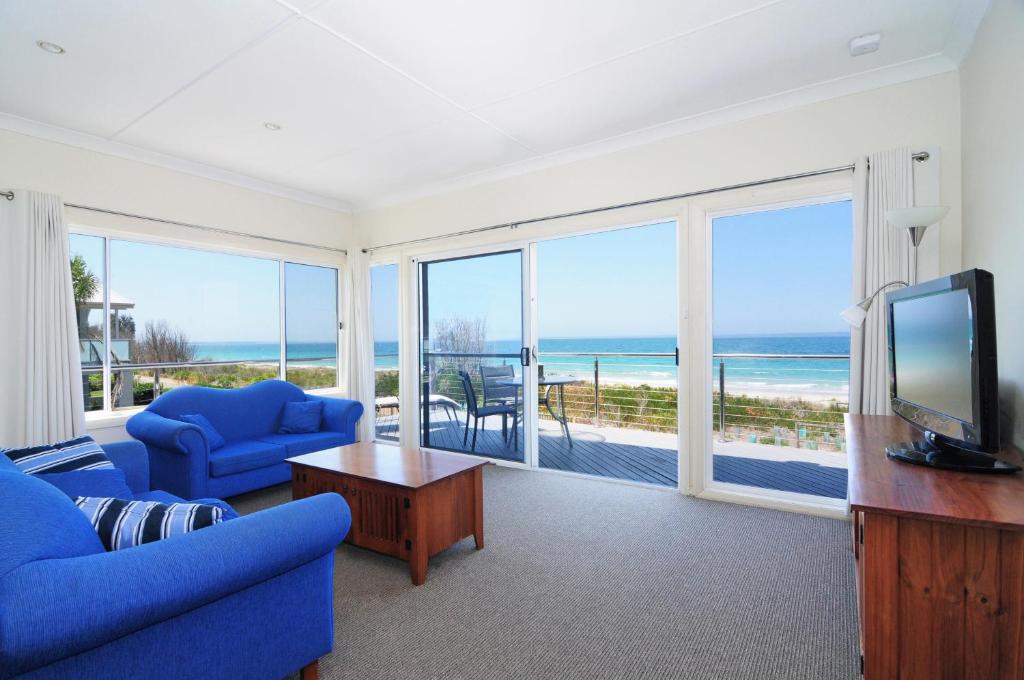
(894,74)
(83,140)
(965,26)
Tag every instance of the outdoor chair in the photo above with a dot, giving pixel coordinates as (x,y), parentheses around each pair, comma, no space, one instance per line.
(480,413)
(494,393)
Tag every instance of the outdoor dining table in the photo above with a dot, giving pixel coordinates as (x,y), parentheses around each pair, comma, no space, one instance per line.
(556,382)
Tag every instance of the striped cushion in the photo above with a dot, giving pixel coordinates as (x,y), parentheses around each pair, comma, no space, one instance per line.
(81,453)
(123,524)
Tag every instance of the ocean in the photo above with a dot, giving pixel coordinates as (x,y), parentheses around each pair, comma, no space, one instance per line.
(300,353)
(811,378)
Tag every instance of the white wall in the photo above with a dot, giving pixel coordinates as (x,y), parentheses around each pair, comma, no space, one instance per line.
(95,179)
(993,181)
(922,113)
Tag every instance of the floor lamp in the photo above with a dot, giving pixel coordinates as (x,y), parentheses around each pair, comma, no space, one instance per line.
(915,220)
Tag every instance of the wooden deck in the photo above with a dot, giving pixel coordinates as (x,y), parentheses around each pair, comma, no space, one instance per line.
(592,454)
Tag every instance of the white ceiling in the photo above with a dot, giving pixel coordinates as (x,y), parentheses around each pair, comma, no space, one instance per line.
(392,98)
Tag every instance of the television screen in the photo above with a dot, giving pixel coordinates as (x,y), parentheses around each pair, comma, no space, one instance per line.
(933,342)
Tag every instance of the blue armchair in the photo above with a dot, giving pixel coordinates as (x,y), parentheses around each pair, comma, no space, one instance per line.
(251,597)
(248,419)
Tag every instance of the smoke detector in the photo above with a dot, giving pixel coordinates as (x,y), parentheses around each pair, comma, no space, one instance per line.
(865,44)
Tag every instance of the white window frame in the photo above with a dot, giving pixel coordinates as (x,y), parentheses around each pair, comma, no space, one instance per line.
(388,261)
(701,217)
(108,413)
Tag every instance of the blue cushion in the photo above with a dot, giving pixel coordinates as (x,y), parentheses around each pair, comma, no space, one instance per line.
(104,483)
(301,417)
(80,453)
(213,437)
(297,444)
(242,456)
(163,497)
(39,522)
(126,524)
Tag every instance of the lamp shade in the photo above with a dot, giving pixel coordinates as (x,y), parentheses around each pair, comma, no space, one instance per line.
(917,216)
(854,315)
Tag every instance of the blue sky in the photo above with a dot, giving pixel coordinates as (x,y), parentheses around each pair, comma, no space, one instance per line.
(782,271)
(774,272)
(488,288)
(384,293)
(618,283)
(215,297)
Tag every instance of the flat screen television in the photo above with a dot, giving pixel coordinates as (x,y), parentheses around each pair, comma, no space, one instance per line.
(943,377)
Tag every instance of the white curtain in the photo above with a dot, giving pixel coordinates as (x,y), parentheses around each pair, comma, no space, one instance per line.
(881,254)
(41,400)
(358,334)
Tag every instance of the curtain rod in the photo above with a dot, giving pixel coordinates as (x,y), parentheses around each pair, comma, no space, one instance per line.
(919,156)
(9,195)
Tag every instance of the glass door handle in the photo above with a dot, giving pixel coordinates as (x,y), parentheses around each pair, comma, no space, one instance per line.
(524,356)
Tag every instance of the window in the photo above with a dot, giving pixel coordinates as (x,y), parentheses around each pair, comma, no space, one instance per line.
(185,316)
(384,303)
(88,276)
(780,351)
(311,325)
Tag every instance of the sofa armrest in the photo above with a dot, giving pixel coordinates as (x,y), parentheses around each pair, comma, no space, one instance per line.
(167,434)
(131,458)
(59,607)
(340,415)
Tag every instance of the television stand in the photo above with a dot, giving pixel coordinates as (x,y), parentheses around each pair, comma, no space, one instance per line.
(935,452)
(939,558)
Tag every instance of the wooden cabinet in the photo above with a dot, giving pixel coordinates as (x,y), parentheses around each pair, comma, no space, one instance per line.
(939,563)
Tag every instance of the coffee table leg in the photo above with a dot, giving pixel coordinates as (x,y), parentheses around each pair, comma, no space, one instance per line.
(478,507)
(418,556)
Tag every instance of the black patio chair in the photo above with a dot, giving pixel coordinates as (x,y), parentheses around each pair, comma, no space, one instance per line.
(493,392)
(480,413)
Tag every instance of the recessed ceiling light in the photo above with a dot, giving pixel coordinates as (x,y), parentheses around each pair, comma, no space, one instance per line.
(52,48)
(865,44)
(273,127)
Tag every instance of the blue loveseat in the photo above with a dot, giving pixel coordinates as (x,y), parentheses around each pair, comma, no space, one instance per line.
(248,598)
(248,419)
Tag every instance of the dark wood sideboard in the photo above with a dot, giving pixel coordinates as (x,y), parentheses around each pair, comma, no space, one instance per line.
(939,563)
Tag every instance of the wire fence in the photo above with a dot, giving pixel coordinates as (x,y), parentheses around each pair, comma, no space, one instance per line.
(638,390)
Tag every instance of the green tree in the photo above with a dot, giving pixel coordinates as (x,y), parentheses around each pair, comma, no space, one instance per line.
(83,281)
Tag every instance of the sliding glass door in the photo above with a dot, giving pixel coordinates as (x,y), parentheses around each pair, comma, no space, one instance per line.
(606,369)
(384,304)
(780,352)
(473,359)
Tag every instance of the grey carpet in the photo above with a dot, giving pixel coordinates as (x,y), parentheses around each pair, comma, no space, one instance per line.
(589,579)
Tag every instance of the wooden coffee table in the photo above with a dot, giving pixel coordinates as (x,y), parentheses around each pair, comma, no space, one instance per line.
(406,502)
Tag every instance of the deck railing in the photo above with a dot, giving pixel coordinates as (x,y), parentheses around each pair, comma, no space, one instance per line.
(609,393)
(137,384)
(795,417)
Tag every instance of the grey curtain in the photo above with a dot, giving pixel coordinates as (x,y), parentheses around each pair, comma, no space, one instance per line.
(41,400)
(881,253)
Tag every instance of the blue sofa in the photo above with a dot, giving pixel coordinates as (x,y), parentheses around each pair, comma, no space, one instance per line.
(248,418)
(248,598)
